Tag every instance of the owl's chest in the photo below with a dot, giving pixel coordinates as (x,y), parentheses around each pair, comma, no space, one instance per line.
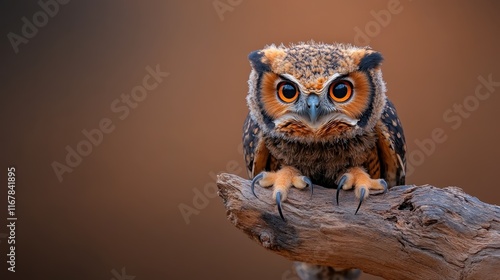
(322,162)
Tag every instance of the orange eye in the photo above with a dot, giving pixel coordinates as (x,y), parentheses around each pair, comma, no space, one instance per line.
(287,92)
(340,91)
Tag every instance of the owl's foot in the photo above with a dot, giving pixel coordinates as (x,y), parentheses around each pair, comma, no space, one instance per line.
(282,180)
(358,179)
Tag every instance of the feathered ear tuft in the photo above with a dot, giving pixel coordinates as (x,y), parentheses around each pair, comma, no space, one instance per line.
(258,61)
(371,60)
(263,60)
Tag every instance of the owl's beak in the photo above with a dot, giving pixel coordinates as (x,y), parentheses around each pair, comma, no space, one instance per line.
(313,107)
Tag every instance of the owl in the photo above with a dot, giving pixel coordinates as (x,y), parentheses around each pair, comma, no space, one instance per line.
(319,114)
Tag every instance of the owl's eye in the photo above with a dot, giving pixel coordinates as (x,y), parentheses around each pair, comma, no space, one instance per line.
(287,92)
(340,91)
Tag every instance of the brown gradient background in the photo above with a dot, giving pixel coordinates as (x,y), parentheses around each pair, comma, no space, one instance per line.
(120,206)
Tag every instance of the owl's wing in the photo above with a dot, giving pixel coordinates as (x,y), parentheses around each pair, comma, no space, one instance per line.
(256,154)
(391,146)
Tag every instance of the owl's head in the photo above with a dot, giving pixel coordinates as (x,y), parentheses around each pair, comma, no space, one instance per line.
(316,92)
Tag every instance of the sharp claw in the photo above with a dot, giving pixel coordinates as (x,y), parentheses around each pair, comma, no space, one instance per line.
(278,202)
(309,183)
(360,199)
(384,183)
(339,186)
(255,179)
(337,195)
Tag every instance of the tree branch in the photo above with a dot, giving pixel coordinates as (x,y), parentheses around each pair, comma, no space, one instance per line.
(408,233)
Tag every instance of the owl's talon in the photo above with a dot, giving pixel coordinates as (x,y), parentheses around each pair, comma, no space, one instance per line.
(278,202)
(362,196)
(281,181)
(309,183)
(356,178)
(339,186)
(255,180)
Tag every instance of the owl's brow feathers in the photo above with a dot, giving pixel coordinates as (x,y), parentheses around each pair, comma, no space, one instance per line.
(319,86)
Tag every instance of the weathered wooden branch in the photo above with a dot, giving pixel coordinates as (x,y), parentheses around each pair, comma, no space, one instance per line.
(411,232)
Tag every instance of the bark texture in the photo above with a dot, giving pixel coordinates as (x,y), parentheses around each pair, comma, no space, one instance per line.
(410,232)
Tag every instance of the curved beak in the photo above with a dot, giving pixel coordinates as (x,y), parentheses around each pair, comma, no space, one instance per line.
(313,107)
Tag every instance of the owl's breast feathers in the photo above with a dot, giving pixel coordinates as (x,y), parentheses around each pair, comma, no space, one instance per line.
(381,152)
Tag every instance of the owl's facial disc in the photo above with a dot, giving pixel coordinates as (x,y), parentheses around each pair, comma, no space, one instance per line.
(325,110)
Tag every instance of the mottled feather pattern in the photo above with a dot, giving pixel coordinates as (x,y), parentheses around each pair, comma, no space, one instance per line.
(395,139)
(250,132)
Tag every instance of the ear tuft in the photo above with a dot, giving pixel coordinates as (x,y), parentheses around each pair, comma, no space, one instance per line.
(370,60)
(257,61)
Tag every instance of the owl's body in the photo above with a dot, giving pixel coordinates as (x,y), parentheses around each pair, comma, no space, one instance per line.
(319,113)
